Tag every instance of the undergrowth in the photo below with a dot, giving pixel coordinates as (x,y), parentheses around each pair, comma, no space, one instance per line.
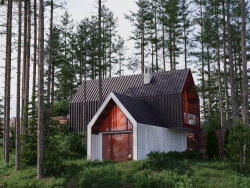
(80,172)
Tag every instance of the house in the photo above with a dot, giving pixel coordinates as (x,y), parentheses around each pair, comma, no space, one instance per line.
(140,113)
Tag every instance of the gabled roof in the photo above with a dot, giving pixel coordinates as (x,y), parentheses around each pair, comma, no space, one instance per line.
(133,85)
(138,109)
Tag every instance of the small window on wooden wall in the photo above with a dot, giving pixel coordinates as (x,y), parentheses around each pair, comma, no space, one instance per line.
(116,121)
(191,105)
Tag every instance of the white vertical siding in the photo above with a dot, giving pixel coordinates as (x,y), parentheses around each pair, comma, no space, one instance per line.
(159,139)
(96,147)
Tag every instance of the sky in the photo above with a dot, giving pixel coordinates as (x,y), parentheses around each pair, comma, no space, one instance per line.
(79,10)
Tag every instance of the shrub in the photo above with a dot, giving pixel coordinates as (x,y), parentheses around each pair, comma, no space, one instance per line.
(12,139)
(193,154)
(187,154)
(53,160)
(76,142)
(212,145)
(238,138)
(226,142)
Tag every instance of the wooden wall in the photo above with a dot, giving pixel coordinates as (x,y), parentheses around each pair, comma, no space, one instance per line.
(202,139)
(168,108)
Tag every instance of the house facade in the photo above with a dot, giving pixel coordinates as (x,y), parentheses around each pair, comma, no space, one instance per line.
(140,113)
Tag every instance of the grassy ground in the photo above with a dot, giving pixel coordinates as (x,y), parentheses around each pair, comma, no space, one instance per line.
(81,172)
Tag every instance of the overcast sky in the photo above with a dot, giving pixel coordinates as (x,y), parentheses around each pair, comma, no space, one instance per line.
(79,10)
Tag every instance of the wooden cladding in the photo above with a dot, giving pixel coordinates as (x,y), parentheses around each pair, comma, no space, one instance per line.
(199,138)
(163,95)
(167,108)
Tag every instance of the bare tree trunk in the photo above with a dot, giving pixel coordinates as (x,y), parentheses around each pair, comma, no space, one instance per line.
(170,42)
(120,66)
(52,86)
(231,64)
(244,64)
(219,79)
(18,87)
(34,61)
(174,63)
(27,68)
(185,46)
(152,54)
(156,42)
(110,54)
(163,48)
(49,69)
(40,134)
(237,99)
(244,73)
(202,65)
(142,53)
(7,89)
(24,68)
(85,95)
(225,67)
(100,52)
(208,80)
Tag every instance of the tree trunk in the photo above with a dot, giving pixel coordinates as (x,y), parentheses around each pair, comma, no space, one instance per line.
(34,61)
(170,48)
(244,64)
(27,68)
(85,95)
(7,89)
(163,48)
(152,54)
(208,80)
(18,87)
(49,69)
(142,55)
(156,42)
(174,63)
(219,79)
(100,52)
(202,66)
(231,65)
(24,68)
(40,134)
(185,46)
(225,67)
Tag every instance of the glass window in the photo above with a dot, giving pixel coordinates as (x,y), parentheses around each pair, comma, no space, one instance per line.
(116,121)
(118,147)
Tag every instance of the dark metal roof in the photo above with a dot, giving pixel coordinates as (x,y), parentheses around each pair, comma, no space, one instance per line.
(139,110)
(168,82)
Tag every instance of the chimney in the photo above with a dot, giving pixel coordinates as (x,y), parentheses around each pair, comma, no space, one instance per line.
(147,75)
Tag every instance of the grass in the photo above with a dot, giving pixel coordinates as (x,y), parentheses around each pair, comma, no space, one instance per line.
(80,172)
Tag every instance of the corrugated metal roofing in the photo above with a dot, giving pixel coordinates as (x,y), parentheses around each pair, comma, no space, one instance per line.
(133,85)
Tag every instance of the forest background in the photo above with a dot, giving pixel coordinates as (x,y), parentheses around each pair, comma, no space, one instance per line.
(211,37)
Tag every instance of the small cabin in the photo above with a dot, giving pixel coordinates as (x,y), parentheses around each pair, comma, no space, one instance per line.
(140,113)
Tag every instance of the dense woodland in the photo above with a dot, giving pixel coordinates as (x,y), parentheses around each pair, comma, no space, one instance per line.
(209,36)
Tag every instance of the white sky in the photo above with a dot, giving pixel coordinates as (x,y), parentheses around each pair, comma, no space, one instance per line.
(79,10)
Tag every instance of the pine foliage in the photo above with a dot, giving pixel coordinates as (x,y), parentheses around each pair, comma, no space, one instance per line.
(212,147)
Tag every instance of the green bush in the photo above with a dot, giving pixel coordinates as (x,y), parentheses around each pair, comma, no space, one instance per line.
(238,138)
(187,154)
(53,158)
(193,154)
(76,142)
(12,139)
(226,142)
(212,147)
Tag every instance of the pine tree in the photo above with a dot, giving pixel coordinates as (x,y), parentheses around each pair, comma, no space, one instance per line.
(140,21)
